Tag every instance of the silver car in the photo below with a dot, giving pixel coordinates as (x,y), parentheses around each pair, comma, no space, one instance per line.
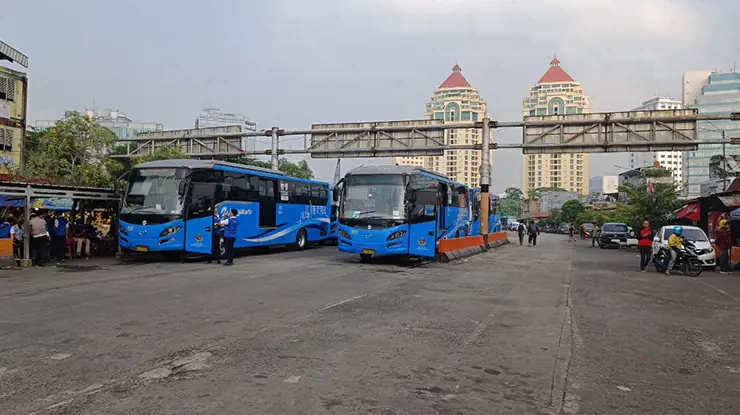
(704,248)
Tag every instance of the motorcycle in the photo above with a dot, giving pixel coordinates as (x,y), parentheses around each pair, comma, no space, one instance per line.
(687,261)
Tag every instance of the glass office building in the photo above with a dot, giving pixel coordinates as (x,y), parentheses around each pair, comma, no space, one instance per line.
(719,95)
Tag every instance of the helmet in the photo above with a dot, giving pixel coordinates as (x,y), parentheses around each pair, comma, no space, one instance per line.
(723,223)
(678,230)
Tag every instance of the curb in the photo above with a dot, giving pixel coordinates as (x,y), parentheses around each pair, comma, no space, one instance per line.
(470,251)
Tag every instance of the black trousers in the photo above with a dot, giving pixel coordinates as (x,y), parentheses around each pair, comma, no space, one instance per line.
(533,239)
(646,253)
(40,250)
(59,247)
(521,239)
(216,247)
(229,245)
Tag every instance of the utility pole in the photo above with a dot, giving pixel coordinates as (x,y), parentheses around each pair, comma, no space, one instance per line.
(485,179)
(274,160)
(724,163)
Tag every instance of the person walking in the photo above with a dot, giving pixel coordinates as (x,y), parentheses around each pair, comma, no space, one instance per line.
(521,230)
(596,236)
(583,231)
(723,240)
(231,225)
(572,233)
(533,231)
(39,239)
(216,238)
(645,245)
(17,233)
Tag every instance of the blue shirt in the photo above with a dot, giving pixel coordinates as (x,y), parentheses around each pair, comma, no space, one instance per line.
(231,227)
(60,226)
(5,230)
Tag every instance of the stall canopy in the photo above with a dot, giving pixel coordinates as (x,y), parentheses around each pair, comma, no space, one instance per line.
(42,203)
(690,211)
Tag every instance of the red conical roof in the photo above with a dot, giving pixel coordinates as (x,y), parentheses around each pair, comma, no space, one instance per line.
(555,73)
(456,79)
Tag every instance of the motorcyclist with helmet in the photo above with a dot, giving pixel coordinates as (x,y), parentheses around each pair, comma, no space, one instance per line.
(675,243)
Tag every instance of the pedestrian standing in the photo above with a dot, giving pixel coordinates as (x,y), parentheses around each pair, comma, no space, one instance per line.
(59,237)
(533,231)
(645,245)
(572,233)
(17,233)
(521,230)
(583,231)
(216,238)
(39,239)
(231,225)
(723,239)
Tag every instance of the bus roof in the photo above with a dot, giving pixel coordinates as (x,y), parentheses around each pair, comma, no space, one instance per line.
(395,169)
(203,164)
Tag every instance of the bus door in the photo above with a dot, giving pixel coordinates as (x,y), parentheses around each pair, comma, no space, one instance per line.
(199,217)
(267,197)
(423,222)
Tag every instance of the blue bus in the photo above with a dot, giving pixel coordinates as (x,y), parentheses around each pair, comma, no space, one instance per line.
(494,213)
(169,205)
(400,210)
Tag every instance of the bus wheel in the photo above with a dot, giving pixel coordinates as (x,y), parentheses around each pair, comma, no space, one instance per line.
(365,257)
(300,240)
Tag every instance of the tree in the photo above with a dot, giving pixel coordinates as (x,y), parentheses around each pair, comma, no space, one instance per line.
(300,169)
(657,207)
(570,210)
(513,193)
(166,153)
(510,207)
(71,152)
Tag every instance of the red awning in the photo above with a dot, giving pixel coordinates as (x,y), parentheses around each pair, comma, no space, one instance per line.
(690,211)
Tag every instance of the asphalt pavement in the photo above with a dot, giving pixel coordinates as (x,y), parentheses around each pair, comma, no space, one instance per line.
(516,330)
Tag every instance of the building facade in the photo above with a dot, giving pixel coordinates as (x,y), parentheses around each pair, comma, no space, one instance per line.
(600,186)
(554,94)
(115,120)
(13,96)
(214,117)
(719,94)
(454,101)
(672,160)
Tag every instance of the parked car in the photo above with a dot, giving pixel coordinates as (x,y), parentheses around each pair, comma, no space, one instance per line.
(701,242)
(513,226)
(589,228)
(564,229)
(613,235)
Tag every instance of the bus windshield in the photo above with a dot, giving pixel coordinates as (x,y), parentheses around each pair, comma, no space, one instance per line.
(154,191)
(374,197)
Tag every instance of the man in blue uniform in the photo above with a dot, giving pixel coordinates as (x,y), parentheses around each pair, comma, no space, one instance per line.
(230,224)
(59,238)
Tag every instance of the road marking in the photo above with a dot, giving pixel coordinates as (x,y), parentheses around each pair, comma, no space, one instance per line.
(342,302)
(292,379)
(60,356)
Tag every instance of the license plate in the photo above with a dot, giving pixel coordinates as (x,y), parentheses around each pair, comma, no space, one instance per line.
(368,251)
(142,249)
(616,240)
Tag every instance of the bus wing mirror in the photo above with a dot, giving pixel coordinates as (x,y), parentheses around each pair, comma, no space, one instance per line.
(334,195)
(182,187)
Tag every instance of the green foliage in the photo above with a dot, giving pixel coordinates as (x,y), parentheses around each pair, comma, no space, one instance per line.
(570,211)
(513,193)
(71,152)
(167,153)
(656,207)
(300,169)
(510,207)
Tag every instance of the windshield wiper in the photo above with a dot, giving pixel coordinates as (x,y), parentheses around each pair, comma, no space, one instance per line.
(141,208)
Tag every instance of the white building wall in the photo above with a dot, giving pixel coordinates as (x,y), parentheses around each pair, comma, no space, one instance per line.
(672,160)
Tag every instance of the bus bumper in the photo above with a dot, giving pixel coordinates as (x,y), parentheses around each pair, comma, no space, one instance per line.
(397,247)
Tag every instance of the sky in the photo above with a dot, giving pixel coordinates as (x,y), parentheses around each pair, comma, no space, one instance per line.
(292,63)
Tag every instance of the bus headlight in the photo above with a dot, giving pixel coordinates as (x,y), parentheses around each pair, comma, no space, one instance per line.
(396,235)
(344,234)
(170,231)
